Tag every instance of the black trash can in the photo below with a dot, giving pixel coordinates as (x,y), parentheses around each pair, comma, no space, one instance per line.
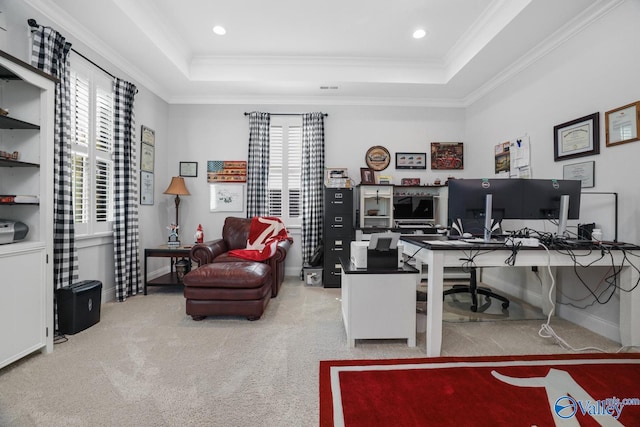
(78,306)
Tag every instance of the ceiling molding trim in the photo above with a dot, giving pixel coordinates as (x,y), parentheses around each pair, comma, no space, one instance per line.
(144,14)
(81,33)
(490,23)
(321,100)
(554,41)
(260,68)
(287,69)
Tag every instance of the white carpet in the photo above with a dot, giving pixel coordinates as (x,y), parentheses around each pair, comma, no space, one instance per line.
(148,364)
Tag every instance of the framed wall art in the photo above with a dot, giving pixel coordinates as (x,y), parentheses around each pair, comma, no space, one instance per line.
(148,136)
(585,172)
(147,157)
(447,155)
(577,138)
(227,171)
(146,188)
(189,169)
(367,176)
(623,124)
(377,158)
(411,160)
(226,197)
(410,181)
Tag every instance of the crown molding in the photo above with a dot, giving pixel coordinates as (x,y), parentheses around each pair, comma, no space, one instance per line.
(551,43)
(493,20)
(320,100)
(79,32)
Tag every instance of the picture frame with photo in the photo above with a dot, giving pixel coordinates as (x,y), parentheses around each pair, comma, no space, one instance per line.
(367,176)
(411,160)
(447,155)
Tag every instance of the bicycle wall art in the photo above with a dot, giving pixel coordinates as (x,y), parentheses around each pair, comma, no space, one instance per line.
(447,155)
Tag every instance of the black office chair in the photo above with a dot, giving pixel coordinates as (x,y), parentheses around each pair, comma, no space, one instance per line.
(473,289)
(475,228)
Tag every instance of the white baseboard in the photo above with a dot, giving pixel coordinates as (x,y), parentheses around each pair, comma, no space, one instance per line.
(588,321)
(579,317)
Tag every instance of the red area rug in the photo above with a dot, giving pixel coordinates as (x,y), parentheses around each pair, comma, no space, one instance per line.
(547,390)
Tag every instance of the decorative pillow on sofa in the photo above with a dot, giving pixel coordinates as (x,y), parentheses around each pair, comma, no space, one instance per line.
(264,234)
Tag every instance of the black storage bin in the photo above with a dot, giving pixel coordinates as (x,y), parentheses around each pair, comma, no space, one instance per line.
(78,306)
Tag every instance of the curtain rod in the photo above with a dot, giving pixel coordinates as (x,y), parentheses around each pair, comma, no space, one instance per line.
(32,23)
(287,114)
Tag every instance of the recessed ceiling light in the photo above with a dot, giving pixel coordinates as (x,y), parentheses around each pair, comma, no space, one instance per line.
(420,33)
(219,30)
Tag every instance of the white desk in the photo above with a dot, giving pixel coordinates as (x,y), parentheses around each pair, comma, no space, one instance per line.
(437,256)
(379,303)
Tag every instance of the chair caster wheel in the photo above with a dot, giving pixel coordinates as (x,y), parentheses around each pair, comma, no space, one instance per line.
(505,305)
(474,308)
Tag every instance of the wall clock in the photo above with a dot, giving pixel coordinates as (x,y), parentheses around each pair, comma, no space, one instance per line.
(377,158)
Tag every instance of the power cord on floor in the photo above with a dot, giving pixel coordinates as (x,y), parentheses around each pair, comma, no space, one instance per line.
(546,331)
(59,338)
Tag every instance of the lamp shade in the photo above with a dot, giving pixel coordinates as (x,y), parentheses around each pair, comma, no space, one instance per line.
(177,187)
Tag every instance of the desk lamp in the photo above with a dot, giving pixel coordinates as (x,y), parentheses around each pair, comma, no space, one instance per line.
(178,188)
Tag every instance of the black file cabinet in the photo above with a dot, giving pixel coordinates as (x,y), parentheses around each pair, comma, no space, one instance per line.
(338,232)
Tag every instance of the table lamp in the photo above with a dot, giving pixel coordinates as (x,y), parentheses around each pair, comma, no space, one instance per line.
(178,188)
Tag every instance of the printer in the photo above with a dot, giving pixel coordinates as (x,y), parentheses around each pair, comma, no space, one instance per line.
(12,231)
(380,252)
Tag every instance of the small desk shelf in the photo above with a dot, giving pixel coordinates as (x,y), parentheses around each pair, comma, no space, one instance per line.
(164,251)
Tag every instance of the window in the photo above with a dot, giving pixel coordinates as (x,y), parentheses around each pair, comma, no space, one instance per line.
(285,169)
(92,148)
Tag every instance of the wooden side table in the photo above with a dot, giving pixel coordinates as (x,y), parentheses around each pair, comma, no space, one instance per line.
(164,251)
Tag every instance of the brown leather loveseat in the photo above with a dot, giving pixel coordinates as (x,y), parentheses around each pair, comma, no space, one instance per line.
(235,233)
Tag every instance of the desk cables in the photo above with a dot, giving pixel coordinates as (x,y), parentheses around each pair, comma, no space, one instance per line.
(546,331)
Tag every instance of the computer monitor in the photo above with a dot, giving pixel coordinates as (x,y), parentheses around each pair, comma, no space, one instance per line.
(468,202)
(413,208)
(544,200)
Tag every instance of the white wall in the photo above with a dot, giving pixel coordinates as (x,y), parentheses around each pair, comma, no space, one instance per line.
(205,132)
(595,71)
(95,255)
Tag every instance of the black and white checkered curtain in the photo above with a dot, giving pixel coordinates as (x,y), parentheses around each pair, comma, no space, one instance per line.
(312,182)
(258,165)
(125,224)
(50,53)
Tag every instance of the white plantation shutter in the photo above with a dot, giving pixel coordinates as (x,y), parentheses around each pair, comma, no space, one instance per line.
(80,109)
(80,182)
(104,120)
(92,127)
(276,170)
(104,151)
(104,199)
(285,168)
(294,170)
(80,113)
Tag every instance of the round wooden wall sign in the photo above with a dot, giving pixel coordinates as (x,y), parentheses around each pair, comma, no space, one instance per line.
(377,158)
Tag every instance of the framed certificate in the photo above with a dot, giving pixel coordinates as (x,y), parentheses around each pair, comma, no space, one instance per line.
(584,172)
(146,157)
(577,138)
(148,136)
(188,168)
(146,188)
(623,124)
